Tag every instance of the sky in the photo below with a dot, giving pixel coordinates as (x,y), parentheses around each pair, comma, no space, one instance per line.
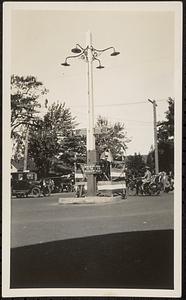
(42,39)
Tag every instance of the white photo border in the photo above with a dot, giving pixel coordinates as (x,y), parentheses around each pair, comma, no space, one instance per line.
(176,7)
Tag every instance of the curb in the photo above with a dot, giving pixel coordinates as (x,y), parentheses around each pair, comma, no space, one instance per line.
(87,200)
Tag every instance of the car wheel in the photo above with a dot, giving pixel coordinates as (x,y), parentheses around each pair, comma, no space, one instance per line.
(35,192)
(46,191)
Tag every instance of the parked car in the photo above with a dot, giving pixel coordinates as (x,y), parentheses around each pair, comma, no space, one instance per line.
(62,183)
(24,184)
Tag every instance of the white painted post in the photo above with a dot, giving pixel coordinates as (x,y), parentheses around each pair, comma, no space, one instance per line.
(91,151)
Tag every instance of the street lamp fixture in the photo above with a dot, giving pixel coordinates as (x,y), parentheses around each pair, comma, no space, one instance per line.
(90,54)
(100,67)
(76,50)
(65,64)
(83,53)
(115,53)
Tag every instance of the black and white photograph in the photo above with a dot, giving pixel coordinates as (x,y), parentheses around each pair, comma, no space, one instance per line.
(92,135)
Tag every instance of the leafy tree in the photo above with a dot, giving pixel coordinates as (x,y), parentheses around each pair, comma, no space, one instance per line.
(166,139)
(112,136)
(59,119)
(43,145)
(48,139)
(151,159)
(135,164)
(73,149)
(25,94)
(166,128)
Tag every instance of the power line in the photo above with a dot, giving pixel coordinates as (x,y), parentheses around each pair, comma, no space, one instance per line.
(128,103)
(144,122)
(118,104)
(121,104)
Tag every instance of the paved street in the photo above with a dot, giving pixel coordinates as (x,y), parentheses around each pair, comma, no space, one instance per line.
(36,221)
(124,244)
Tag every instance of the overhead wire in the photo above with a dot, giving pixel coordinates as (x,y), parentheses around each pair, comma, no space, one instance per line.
(118,104)
(128,103)
(140,123)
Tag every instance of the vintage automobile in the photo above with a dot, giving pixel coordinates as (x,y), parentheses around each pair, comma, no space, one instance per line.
(24,184)
(62,183)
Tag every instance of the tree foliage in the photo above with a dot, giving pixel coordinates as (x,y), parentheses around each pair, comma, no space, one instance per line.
(59,119)
(166,139)
(47,139)
(73,149)
(166,128)
(25,94)
(112,136)
(151,159)
(135,164)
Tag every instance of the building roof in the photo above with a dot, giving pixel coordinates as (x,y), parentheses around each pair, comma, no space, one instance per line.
(18,165)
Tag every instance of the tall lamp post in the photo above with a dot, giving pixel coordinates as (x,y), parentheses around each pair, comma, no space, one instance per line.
(90,54)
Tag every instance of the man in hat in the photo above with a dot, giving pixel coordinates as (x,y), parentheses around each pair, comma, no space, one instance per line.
(146,179)
(105,163)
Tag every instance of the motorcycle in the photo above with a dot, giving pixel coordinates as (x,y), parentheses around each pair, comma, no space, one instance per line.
(154,187)
(169,187)
(133,186)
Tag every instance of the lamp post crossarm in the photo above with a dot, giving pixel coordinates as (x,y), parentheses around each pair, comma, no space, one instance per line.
(153,102)
(95,58)
(83,52)
(100,66)
(103,50)
(78,45)
(74,56)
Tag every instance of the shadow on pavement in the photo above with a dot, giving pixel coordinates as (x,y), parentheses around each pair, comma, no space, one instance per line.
(141,260)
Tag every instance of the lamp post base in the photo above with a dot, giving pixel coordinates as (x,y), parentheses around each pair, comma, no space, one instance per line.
(91,185)
(91,178)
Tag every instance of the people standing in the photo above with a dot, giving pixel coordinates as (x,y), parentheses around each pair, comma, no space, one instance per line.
(146,179)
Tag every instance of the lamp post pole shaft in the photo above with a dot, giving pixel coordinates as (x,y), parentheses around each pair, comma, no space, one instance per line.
(90,137)
(91,151)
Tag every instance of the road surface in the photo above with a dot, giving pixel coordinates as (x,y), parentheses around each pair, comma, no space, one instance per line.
(41,220)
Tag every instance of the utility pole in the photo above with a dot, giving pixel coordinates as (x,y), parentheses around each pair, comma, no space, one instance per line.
(155,136)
